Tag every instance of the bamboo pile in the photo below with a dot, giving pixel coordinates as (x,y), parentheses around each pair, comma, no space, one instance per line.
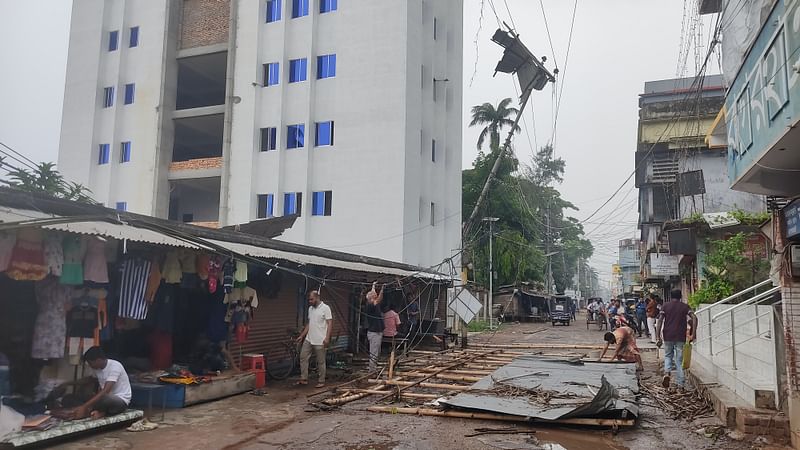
(688,404)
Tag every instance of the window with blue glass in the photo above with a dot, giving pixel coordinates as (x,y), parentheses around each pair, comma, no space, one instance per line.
(104,154)
(295,136)
(326,66)
(108,97)
(134,37)
(266,204)
(273,10)
(321,203)
(323,134)
(299,8)
(113,40)
(269,139)
(129,91)
(122,206)
(125,152)
(292,203)
(298,70)
(326,6)
(272,74)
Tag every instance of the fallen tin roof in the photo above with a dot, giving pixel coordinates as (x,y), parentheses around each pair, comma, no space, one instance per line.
(555,389)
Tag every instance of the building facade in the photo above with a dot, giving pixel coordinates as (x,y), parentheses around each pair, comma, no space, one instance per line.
(221,112)
(630,265)
(680,175)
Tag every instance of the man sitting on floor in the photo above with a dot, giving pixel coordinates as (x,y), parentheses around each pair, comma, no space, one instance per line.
(115,388)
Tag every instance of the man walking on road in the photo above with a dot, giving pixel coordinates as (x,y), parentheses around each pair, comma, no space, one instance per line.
(672,323)
(652,314)
(315,337)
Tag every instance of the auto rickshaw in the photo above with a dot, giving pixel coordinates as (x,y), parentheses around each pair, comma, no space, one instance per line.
(561,309)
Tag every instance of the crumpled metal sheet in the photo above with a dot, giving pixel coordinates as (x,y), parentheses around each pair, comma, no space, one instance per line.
(596,390)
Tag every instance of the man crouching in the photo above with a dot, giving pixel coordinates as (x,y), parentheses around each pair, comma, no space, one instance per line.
(115,388)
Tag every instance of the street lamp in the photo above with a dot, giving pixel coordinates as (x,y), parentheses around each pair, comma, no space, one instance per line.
(491,221)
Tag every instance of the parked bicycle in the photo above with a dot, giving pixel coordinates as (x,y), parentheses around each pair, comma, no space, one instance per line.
(284,361)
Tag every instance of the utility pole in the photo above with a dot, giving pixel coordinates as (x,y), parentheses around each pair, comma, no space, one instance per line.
(491,221)
(547,252)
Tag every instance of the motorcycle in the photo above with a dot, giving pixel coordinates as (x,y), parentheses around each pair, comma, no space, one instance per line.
(626,319)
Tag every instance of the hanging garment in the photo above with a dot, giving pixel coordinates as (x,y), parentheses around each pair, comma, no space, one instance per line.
(54,252)
(103,330)
(214,268)
(7,241)
(74,251)
(153,281)
(240,275)
(132,286)
(27,258)
(50,328)
(171,271)
(242,332)
(95,267)
(202,266)
(188,260)
(228,268)
(160,349)
(76,347)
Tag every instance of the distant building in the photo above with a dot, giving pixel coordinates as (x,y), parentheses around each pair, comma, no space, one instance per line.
(630,265)
(221,112)
(679,175)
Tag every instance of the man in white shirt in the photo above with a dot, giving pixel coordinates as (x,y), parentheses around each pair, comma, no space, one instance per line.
(115,387)
(315,336)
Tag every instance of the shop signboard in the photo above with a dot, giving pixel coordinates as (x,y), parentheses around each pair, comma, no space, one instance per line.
(791,217)
(663,265)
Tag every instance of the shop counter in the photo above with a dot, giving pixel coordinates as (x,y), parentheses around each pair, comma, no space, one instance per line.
(68,429)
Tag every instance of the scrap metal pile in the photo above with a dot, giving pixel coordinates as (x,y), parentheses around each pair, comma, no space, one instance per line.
(503,383)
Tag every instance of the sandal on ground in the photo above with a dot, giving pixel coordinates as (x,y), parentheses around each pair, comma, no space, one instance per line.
(300,383)
(320,385)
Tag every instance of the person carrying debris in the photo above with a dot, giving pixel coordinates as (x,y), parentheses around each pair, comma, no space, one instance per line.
(624,339)
(671,327)
(375,325)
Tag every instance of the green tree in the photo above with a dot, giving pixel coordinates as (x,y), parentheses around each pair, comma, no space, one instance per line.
(493,119)
(45,179)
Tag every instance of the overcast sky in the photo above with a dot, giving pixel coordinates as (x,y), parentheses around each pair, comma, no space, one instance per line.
(616,46)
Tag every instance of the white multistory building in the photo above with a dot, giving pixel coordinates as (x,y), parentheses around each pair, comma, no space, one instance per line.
(347,112)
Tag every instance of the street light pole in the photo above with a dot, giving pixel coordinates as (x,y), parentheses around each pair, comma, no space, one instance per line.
(491,221)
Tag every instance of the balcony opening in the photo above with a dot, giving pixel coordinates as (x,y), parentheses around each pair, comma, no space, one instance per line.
(201,81)
(195,201)
(198,138)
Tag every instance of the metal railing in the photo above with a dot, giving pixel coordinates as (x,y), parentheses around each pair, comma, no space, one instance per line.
(754,301)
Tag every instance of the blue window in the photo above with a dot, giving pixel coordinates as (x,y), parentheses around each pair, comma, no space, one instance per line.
(327,6)
(104,155)
(297,70)
(273,10)
(129,90)
(321,203)
(122,206)
(269,139)
(266,203)
(292,203)
(299,8)
(125,152)
(134,38)
(108,97)
(113,40)
(326,66)
(295,136)
(272,74)
(323,134)
(433,150)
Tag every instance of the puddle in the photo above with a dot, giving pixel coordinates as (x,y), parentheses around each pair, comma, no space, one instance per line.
(576,440)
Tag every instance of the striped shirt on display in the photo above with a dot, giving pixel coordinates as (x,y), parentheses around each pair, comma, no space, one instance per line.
(132,287)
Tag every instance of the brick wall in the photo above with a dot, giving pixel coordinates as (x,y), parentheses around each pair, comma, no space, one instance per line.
(197,164)
(204,22)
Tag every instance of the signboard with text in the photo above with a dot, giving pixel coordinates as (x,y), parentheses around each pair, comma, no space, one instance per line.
(791,217)
(663,264)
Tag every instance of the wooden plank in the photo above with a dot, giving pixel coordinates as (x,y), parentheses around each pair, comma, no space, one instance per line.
(449,387)
(411,395)
(542,345)
(235,384)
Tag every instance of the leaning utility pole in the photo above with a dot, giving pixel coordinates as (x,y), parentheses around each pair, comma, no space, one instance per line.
(531,74)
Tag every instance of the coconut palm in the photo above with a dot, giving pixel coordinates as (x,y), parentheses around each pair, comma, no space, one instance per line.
(494,119)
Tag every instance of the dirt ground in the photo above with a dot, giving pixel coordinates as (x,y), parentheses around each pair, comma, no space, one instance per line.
(283,420)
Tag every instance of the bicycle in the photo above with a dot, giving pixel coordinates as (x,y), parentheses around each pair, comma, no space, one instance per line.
(286,359)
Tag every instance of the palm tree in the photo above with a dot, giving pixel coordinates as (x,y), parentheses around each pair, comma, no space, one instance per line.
(494,119)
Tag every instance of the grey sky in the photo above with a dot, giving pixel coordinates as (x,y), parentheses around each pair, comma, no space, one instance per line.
(617,45)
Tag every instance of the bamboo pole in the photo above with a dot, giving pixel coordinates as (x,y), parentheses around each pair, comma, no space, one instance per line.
(542,345)
(441,376)
(449,387)
(410,395)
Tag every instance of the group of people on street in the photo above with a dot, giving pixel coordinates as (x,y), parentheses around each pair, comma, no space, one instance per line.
(670,324)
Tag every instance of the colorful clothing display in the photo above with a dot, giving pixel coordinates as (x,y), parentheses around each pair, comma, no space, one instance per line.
(27,258)
(54,253)
(74,251)
(240,275)
(171,271)
(214,268)
(8,240)
(153,281)
(50,328)
(188,261)
(95,267)
(132,286)
(228,268)
(202,266)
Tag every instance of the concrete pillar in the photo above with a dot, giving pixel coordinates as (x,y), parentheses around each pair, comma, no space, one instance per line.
(790,292)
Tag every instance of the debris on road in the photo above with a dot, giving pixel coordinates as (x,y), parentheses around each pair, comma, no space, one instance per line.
(687,404)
